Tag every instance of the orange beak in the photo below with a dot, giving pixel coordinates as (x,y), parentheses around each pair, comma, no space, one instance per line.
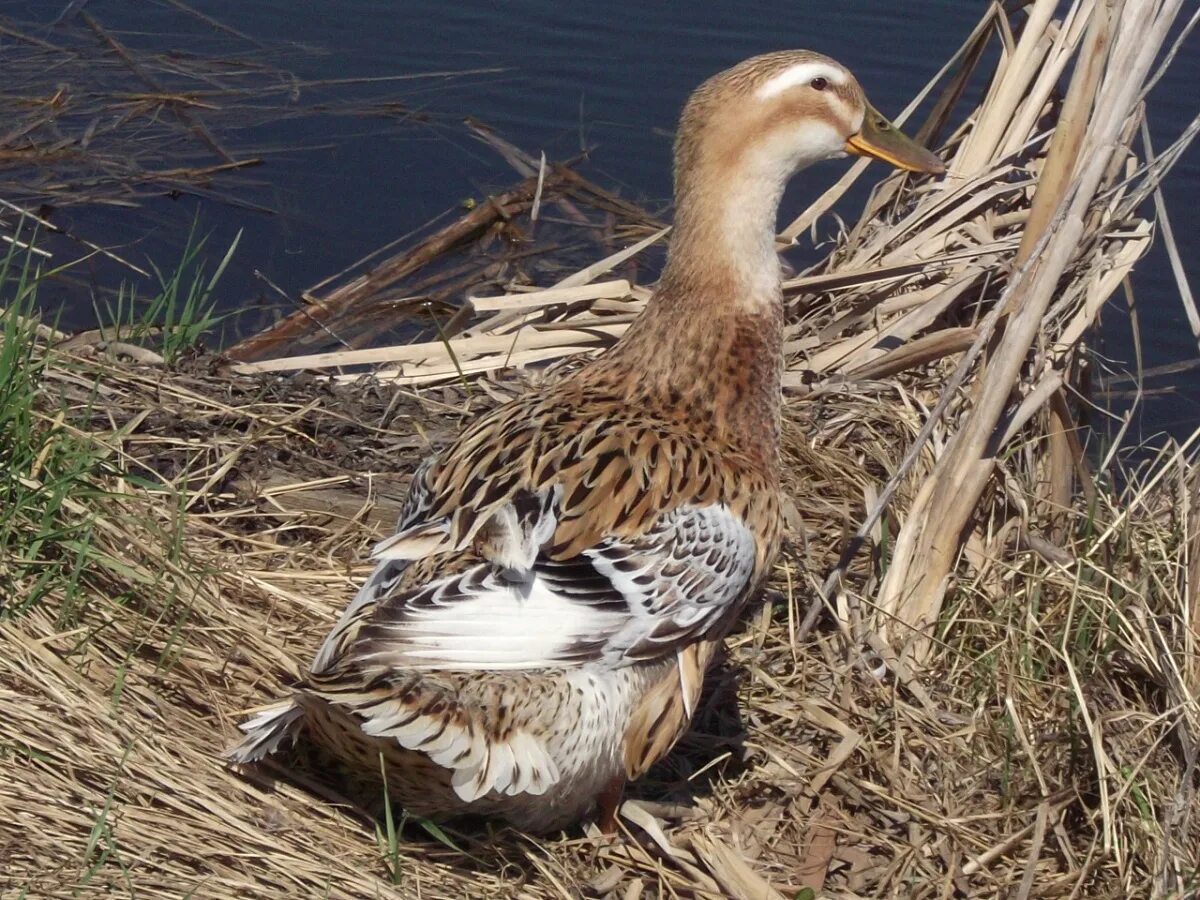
(880,139)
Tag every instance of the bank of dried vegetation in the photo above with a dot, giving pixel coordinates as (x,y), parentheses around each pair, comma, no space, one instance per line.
(975,672)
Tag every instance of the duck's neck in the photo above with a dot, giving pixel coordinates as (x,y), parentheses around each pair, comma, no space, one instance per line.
(723,242)
(710,338)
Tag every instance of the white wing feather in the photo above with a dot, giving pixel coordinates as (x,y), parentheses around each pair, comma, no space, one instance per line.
(620,602)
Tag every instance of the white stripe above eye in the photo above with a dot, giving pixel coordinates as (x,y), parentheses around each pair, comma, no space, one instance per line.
(801,73)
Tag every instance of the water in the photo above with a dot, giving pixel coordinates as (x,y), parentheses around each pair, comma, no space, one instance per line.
(609,75)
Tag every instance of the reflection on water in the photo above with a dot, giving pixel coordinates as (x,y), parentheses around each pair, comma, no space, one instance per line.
(606,75)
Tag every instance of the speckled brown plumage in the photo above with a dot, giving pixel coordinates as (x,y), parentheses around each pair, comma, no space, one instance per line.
(539,627)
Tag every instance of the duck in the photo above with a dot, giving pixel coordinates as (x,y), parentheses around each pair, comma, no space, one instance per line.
(535,634)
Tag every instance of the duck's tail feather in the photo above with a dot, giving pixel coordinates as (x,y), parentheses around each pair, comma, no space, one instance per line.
(266,731)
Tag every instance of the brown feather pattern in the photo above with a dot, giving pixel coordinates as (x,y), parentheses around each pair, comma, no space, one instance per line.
(679,419)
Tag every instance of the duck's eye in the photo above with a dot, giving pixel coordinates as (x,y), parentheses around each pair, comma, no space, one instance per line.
(818,84)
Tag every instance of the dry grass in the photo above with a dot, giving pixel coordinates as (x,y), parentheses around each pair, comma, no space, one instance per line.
(1029,726)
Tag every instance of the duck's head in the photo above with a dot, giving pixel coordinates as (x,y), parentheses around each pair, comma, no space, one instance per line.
(771,115)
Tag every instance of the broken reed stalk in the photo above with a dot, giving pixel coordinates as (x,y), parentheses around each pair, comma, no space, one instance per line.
(1094,114)
(323,309)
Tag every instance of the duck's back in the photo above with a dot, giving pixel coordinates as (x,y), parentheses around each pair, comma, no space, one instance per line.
(540,624)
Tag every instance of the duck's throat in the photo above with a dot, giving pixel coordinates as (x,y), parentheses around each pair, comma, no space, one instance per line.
(711,337)
(723,241)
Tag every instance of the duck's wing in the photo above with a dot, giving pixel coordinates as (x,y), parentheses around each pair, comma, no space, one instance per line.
(554,532)
(667,593)
(622,601)
(386,576)
(543,543)
(681,579)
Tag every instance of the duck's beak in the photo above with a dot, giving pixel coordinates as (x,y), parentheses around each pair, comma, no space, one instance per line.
(881,139)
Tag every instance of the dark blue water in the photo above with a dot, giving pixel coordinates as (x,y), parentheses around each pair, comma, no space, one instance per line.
(609,76)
